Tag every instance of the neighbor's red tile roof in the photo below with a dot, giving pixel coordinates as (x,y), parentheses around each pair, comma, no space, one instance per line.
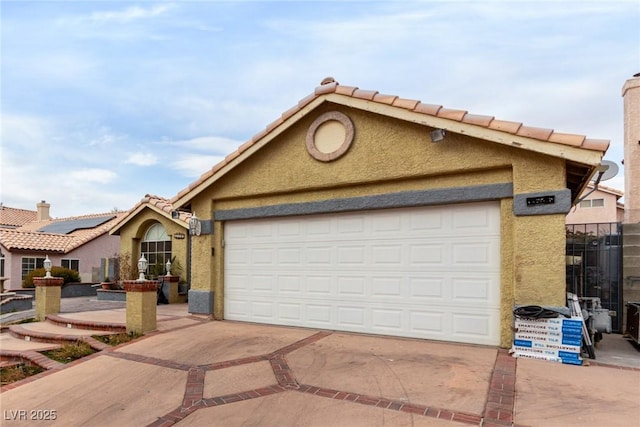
(329,86)
(12,217)
(28,238)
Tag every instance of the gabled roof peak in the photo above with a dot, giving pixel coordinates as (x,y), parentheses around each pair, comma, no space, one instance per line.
(332,91)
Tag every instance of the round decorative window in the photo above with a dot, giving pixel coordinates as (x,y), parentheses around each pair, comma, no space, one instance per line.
(330,136)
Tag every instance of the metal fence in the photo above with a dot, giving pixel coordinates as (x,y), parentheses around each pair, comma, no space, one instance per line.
(594,265)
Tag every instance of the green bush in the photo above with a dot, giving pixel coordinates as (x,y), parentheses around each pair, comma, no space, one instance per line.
(69,276)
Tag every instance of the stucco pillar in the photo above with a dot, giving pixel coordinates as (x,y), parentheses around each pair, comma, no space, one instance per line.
(48,293)
(142,300)
(631,223)
(170,288)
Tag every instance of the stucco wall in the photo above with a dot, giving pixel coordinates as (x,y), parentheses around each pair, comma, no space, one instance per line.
(88,255)
(390,156)
(607,213)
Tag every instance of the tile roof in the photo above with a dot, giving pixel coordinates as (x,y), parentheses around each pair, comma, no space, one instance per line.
(12,217)
(28,238)
(329,86)
(158,203)
(610,190)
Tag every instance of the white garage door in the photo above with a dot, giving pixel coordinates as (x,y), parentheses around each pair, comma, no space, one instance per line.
(428,272)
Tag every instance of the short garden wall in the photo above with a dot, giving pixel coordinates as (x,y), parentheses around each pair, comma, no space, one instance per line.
(11,303)
(72,290)
(69,290)
(111,295)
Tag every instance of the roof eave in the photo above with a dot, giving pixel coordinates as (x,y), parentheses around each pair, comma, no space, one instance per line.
(115,230)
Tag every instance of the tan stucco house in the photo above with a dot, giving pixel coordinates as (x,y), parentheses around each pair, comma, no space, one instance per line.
(366,212)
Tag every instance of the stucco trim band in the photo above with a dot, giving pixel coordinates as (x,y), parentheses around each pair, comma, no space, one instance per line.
(200,302)
(561,203)
(381,201)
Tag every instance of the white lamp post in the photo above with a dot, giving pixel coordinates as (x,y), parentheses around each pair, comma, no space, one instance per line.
(142,267)
(47,266)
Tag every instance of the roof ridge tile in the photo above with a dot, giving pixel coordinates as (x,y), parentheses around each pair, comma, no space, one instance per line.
(453,114)
(385,99)
(365,94)
(429,109)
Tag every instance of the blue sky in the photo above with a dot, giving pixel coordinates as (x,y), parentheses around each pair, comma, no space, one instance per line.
(106,101)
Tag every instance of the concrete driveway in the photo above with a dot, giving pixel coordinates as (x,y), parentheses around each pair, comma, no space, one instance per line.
(195,372)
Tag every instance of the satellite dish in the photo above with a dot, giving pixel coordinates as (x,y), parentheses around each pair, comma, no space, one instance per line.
(607,169)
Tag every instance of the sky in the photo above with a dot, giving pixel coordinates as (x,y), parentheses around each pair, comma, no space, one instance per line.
(103,102)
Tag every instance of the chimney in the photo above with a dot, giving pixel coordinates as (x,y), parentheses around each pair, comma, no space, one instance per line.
(631,96)
(631,223)
(43,211)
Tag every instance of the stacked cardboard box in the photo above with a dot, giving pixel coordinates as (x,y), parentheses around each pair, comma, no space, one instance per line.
(558,339)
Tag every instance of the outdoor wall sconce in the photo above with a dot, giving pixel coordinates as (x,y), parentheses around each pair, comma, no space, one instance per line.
(47,266)
(437,135)
(195,227)
(142,267)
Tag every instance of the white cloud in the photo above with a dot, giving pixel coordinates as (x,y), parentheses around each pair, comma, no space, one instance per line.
(194,165)
(212,144)
(102,176)
(142,159)
(131,13)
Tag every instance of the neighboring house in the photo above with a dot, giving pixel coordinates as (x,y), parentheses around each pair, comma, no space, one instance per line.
(78,243)
(599,206)
(162,234)
(364,212)
(13,218)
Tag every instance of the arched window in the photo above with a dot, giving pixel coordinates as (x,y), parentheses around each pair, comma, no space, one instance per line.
(156,248)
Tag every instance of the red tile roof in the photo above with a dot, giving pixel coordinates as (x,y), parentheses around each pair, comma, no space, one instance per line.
(165,205)
(330,86)
(28,238)
(12,217)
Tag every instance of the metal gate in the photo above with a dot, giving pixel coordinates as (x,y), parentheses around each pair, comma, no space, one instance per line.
(594,265)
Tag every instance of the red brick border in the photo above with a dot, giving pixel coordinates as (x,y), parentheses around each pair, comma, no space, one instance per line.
(86,324)
(498,410)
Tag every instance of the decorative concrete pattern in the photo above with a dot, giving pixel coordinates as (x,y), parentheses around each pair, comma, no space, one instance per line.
(194,398)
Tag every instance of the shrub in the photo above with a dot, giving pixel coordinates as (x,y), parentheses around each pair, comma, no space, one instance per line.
(69,276)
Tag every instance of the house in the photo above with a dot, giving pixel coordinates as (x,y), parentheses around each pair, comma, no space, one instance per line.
(597,205)
(13,218)
(364,212)
(162,234)
(78,243)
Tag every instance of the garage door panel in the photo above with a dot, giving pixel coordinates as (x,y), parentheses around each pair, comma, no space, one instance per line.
(387,287)
(351,255)
(351,317)
(479,253)
(351,287)
(473,290)
(319,315)
(423,254)
(476,327)
(427,288)
(387,320)
(416,272)
(427,323)
(387,254)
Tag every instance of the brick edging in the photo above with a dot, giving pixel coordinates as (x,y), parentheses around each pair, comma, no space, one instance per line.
(499,409)
(86,324)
